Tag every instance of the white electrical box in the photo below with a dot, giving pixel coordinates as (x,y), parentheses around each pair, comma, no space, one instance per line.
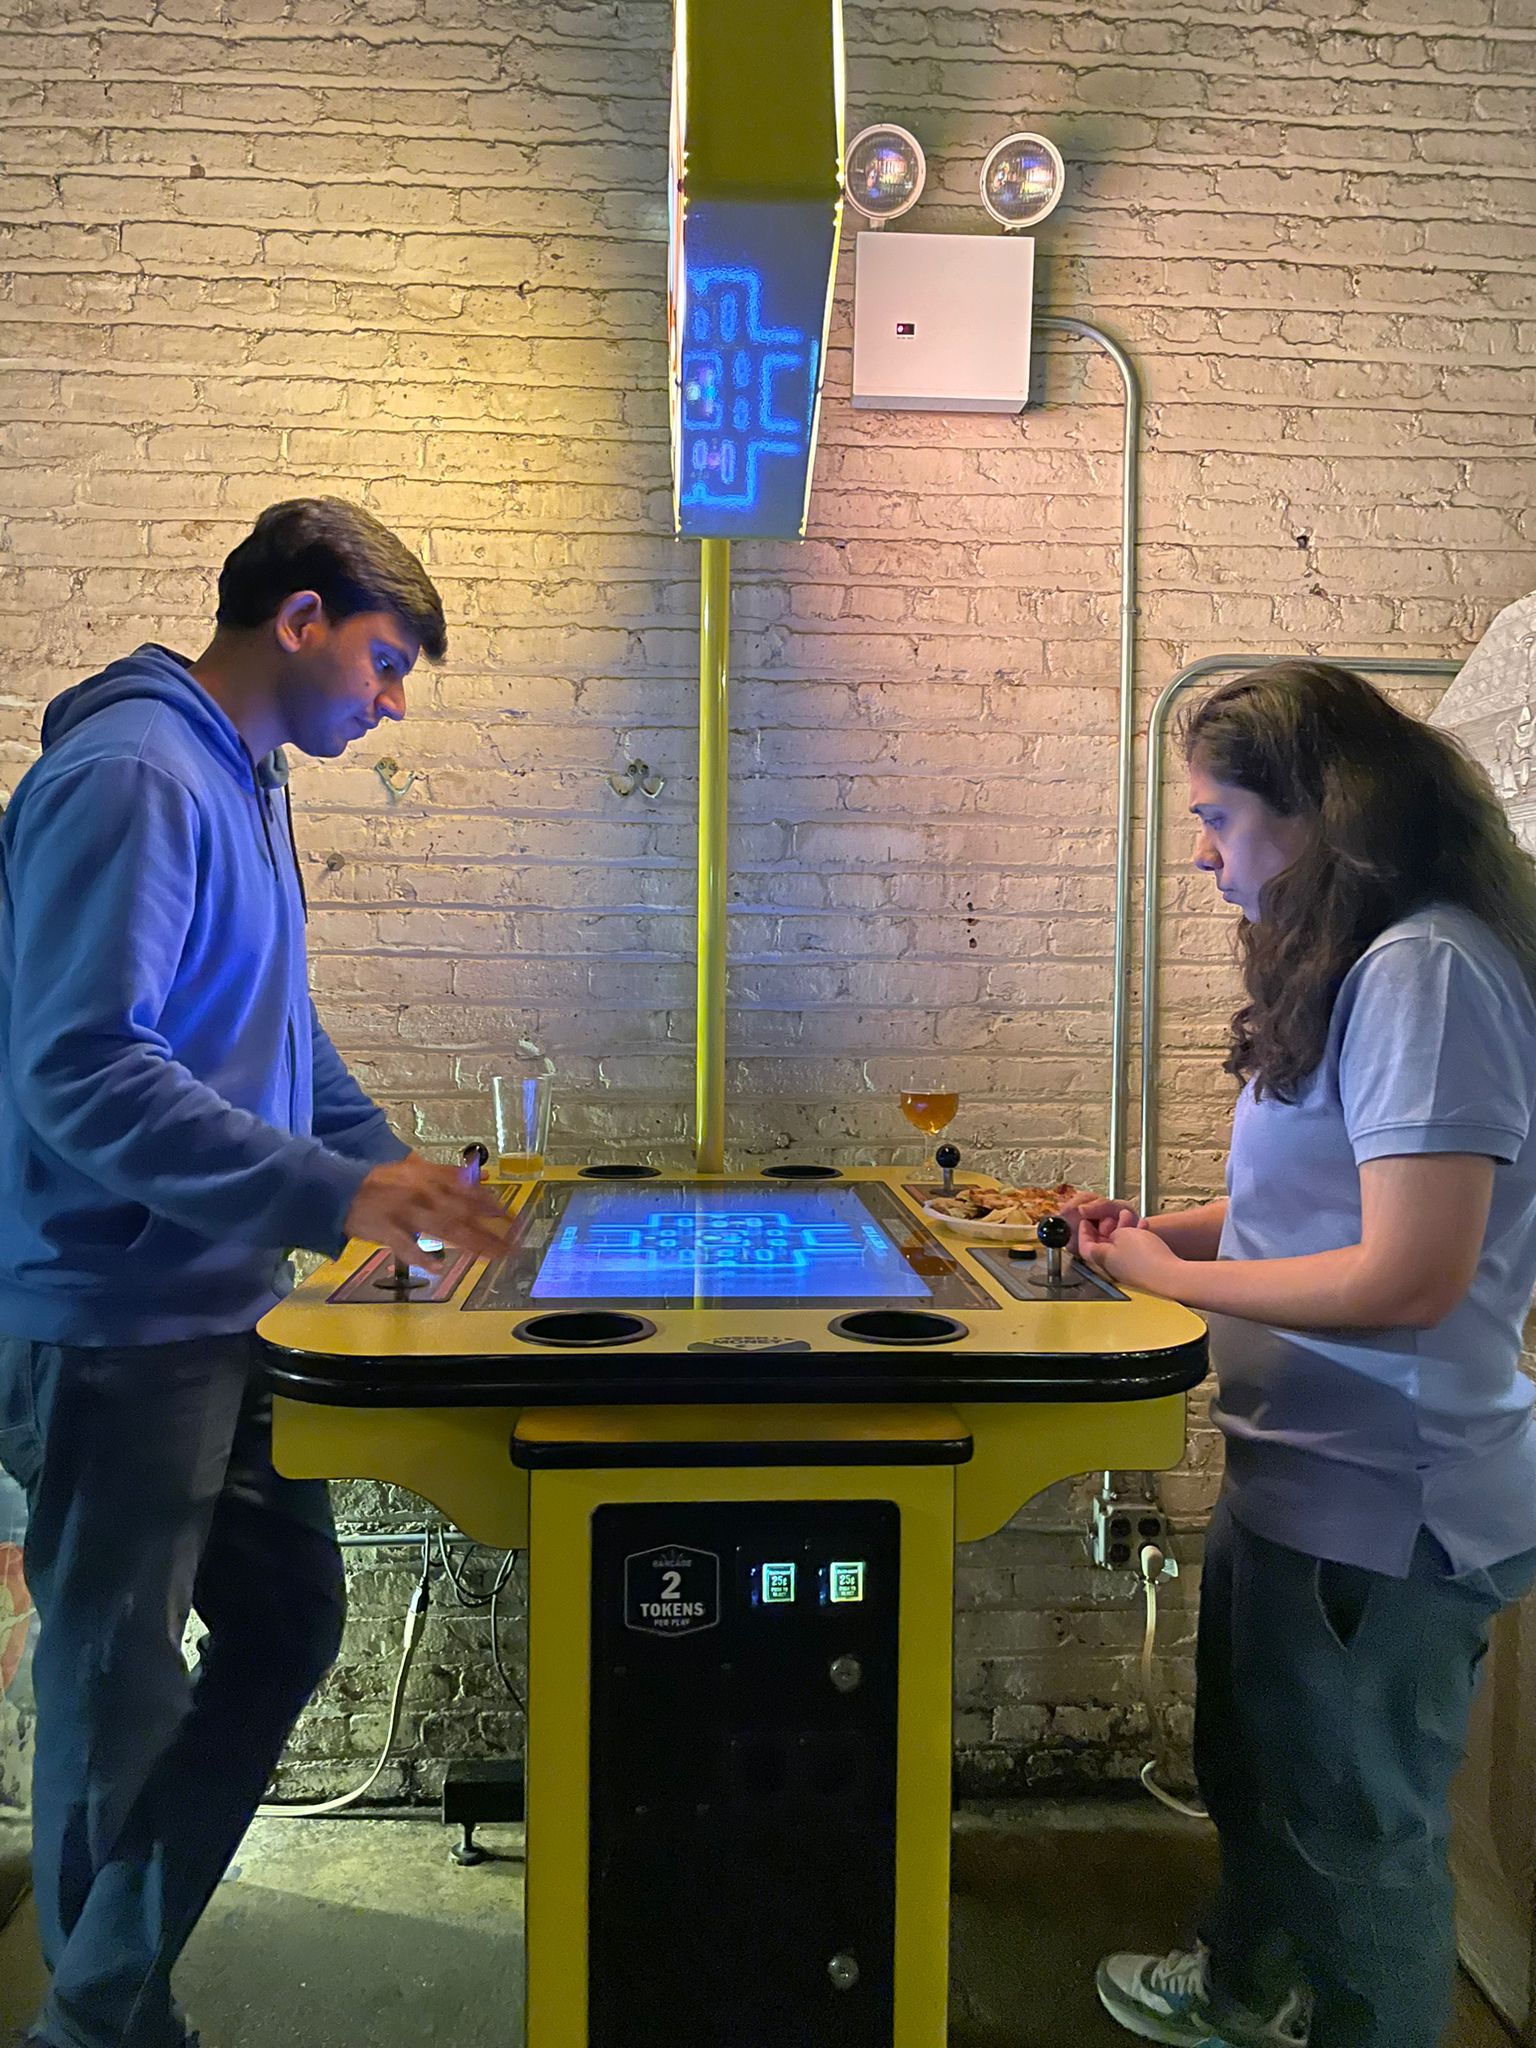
(941,322)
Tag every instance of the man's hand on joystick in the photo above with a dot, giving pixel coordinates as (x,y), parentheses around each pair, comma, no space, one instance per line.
(413,1198)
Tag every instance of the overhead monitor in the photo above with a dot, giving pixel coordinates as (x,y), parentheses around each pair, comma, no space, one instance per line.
(756,205)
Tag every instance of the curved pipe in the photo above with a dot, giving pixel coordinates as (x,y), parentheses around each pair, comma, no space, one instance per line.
(1151,876)
(1129,484)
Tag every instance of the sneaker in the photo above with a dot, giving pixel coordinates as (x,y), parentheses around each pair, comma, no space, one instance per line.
(1165,1998)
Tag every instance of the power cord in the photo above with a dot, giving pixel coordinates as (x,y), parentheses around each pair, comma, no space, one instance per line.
(415,1622)
(1150,1566)
(490,1597)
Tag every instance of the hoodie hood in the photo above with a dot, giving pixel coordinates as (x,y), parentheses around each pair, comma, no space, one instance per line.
(154,674)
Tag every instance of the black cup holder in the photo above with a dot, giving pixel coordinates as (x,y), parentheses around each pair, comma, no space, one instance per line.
(584,1329)
(902,1326)
(801,1173)
(620,1172)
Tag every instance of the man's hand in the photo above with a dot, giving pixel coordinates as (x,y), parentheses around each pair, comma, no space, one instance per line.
(1096,1219)
(412,1197)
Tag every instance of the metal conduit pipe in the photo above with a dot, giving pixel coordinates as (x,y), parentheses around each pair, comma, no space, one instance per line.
(1151,877)
(1130,476)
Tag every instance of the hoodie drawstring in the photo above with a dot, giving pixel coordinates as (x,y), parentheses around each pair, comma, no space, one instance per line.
(266,827)
(293,848)
(261,805)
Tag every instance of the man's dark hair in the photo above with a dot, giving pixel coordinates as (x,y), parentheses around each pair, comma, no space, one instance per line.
(342,553)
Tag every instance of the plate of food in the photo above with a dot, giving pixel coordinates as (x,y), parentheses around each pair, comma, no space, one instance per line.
(1005,1215)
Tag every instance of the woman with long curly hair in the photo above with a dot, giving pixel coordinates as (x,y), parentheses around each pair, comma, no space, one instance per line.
(1366,1279)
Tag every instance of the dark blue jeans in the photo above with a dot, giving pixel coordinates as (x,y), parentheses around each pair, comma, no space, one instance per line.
(150,1487)
(1330,1717)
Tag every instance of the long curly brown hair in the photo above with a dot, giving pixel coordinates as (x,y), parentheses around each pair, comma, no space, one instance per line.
(1399,817)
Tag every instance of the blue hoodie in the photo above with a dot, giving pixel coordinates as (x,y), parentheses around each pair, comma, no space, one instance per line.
(172,1116)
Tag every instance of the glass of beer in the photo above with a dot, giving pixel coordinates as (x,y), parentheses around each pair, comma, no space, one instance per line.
(929,1109)
(928,1098)
(521,1105)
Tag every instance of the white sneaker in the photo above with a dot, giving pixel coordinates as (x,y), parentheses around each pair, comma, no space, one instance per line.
(1164,1998)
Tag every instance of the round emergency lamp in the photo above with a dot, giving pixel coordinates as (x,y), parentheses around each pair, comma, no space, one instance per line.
(884,172)
(1022,180)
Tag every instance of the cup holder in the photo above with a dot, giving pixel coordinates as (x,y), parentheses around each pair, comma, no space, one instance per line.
(902,1326)
(801,1173)
(584,1329)
(620,1172)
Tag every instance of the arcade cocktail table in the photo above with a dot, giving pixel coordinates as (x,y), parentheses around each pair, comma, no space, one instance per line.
(740,1423)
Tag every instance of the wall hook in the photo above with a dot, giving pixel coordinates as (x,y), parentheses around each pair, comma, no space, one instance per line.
(637,775)
(388,772)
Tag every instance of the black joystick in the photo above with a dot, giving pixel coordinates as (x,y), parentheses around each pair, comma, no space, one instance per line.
(401,1280)
(948,1158)
(1055,1235)
(476,1159)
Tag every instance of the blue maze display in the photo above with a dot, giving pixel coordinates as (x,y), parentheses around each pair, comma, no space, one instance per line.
(749,347)
(787,1244)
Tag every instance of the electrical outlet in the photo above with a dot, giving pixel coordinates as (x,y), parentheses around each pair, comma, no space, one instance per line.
(1118,1529)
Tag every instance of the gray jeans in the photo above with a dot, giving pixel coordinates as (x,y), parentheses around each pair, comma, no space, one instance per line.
(1331,1715)
(150,1488)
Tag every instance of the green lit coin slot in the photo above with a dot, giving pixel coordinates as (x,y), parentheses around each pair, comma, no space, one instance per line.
(846,1580)
(778,1584)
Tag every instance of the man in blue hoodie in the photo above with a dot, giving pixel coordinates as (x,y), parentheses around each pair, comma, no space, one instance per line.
(174,1119)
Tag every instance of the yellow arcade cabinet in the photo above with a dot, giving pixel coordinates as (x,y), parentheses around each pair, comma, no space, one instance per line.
(740,1424)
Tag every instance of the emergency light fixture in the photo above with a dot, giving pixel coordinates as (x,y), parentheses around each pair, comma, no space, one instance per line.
(885,173)
(1022,180)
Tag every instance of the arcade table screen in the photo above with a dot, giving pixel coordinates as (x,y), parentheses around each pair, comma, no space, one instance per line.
(675,1244)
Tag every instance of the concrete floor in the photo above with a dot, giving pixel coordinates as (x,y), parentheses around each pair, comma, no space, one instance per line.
(363,1934)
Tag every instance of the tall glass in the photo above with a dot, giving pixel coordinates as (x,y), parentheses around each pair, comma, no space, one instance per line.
(521,1105)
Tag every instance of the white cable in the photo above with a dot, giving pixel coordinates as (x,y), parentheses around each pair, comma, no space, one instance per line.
(1150,1565)
(415,1621)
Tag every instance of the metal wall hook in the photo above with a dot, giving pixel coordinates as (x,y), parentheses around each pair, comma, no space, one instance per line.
(637,775)
(388,772)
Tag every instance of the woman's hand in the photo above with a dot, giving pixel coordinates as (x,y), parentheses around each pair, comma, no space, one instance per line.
(1095,1219)
(1135,1256)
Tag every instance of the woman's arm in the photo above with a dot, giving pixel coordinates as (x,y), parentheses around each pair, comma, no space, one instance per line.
(1422,1222)
(1192,1233)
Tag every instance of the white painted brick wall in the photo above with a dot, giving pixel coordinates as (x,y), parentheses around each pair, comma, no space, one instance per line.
(411,251)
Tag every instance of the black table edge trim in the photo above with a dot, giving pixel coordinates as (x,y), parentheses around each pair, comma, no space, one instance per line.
(637,1379)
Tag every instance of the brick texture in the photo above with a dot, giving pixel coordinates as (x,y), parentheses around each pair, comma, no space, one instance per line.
(412,252)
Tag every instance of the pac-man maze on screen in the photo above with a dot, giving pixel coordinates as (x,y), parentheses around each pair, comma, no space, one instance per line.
(756,207)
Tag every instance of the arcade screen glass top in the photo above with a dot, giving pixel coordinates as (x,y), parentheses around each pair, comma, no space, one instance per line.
(665,1244)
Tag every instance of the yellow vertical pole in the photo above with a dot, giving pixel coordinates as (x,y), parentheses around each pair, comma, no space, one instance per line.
(714,782)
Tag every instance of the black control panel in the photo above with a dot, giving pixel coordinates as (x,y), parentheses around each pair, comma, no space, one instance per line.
(743,1771)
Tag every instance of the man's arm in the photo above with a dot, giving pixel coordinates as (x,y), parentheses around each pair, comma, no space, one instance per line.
(345,1118)
(102,874)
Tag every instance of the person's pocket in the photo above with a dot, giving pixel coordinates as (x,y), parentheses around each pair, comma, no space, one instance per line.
(1343,1593)
(21,1442)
